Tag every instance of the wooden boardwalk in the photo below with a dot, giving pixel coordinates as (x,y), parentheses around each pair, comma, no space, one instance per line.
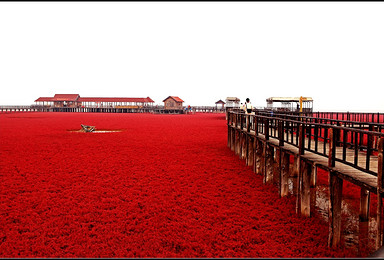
(354,175)
(347,154)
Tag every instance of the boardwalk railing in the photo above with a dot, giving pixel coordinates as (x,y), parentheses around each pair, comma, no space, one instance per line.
(359,136)
(368,125)
(347,151)
(20,109)
(349,116)
(288,131)
(352,116)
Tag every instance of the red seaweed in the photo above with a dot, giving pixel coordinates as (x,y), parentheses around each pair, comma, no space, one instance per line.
(163,186)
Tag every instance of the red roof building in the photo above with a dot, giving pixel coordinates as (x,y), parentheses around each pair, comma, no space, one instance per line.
(173,102)
(66,97)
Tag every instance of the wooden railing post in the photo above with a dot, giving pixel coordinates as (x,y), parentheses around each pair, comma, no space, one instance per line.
(281,132)
(380,173)
(369,146)
(335,196)
(256,126)
(332,148)
(266,128)
(337,134)
(240,120)
(301,139)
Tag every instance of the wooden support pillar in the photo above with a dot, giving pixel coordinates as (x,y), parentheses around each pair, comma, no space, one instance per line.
(262,159)
(364,204)
(228,136)
(240,144)
(363,237)
(305,191)
(335,197)
(264,156)
(237,149)
(250,151)
(245,147)
(233,140)
(268,172)
(296,181)
(277,167)
(293,173)
(233,148)
(314,176)
(254,153)
(259,157)
(241,151)
(284,188)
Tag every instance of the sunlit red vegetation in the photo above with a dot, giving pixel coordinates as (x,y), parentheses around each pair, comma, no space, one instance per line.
(165,186)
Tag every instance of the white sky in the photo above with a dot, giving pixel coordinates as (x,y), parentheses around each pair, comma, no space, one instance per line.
(199,51)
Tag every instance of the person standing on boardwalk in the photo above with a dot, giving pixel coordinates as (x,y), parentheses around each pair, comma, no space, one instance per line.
(248,110)
(248,106)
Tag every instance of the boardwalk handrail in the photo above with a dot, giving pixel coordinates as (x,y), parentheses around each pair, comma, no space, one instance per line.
(354,116)
(15,107)
(349,116)
(348,123)
(287,131)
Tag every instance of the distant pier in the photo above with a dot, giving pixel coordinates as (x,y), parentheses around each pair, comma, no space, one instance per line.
(148,109)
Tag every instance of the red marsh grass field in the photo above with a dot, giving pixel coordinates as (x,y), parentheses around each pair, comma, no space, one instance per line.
(163,186)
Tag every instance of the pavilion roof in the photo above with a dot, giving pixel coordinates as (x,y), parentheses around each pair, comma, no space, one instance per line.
(115,99)
(76,97)
(235,99)
(66,97)
(46,99)
(177,99)
(288,99)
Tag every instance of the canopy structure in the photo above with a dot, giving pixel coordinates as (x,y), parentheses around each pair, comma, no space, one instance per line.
(296,104)
(232,102)
(74,100)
